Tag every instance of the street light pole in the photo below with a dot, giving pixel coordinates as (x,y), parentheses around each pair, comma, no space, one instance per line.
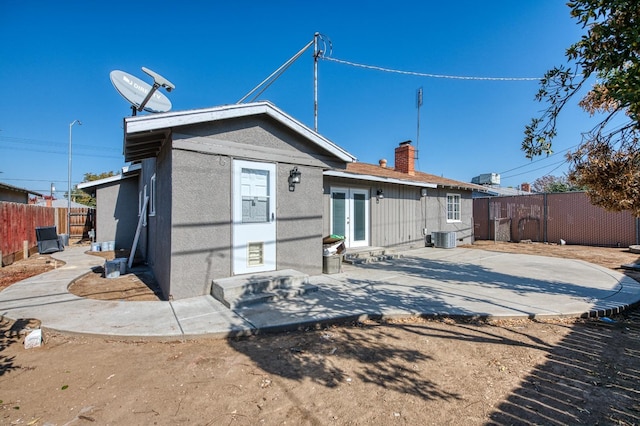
(69,176)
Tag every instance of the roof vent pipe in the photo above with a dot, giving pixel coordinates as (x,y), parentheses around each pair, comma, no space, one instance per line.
(383,162)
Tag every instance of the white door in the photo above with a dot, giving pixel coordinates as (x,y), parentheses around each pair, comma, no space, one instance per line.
(254,222)
(350,215)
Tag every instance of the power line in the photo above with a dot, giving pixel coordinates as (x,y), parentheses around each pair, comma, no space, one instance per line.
(539,168)
(422,74)
(540,159)
(48,143)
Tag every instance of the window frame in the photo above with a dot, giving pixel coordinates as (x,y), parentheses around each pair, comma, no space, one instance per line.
(152,195)
(454,215)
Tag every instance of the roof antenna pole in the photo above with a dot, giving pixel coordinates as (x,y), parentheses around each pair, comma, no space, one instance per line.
(419,104)
(316,54)
(276,73)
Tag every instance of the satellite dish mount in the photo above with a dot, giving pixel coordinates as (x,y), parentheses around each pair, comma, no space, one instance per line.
(140,94)
(158,81)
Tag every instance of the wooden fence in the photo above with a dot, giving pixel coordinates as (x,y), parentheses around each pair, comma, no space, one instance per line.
(552,217)
(18,224)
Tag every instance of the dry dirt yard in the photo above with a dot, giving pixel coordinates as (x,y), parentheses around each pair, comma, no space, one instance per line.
(418,371)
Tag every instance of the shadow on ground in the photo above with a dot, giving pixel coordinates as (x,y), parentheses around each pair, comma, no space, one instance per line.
(591,377)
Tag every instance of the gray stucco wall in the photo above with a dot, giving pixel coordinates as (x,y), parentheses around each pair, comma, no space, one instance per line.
(159,235)
(299,221)
(401,217)
(201,222)
(201,188)
(117,212)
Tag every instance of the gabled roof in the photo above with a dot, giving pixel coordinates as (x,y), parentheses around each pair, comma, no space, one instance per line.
(20,190)
(378,173)
(144,135)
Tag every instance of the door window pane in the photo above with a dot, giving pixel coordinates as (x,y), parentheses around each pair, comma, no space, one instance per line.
(359,217)
(254,189)
(339,213)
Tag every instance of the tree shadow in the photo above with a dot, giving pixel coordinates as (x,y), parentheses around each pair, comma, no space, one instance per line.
(452,290)
(11,333)
(591,377)
(314,356)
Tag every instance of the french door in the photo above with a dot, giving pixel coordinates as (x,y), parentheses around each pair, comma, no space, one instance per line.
(350,215)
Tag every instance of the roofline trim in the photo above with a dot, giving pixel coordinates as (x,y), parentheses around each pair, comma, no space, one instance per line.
(127,172)
(372,178)
(159,121)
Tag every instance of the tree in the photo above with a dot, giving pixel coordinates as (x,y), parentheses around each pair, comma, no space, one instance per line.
(607,160)
(84,198)
(551,183)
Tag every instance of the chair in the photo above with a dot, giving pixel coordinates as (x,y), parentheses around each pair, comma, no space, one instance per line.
(48,240)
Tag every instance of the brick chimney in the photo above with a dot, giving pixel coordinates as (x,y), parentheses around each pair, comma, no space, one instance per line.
(405,158)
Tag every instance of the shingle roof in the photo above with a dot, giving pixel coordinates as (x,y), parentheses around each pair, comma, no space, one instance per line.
(419,177)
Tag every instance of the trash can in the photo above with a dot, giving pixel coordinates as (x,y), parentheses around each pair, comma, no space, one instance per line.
(332,264)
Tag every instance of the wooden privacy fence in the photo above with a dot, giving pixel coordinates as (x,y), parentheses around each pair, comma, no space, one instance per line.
(18,224)
(569,216)
(82,221)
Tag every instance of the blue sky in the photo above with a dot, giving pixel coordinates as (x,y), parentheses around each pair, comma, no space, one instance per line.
(55,60)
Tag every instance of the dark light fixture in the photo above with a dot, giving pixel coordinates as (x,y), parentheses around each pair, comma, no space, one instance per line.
(379,195)
(294,178)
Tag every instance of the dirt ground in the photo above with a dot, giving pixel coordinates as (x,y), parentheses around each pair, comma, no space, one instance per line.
(418,371)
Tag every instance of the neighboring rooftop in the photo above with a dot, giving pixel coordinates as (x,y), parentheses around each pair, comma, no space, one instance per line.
(8,187)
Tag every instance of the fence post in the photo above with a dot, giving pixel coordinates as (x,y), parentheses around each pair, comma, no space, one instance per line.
(545,213)
(25,249)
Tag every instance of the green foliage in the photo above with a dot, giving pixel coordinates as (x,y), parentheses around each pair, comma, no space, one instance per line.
(606,161)
(84,198)
(550,183)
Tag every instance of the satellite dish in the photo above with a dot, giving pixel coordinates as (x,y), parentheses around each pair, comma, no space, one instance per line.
(141,95)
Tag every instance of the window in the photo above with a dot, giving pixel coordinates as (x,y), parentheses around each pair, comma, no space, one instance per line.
(142,196)
(453,208)
(255,195)
(152,196)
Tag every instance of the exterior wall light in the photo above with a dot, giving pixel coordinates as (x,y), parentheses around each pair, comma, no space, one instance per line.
(379,196)
(294,178)
(423,192)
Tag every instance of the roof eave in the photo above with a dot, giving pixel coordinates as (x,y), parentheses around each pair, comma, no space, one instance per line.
(149,125)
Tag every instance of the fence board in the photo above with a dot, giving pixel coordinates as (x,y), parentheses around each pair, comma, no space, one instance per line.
(18,223)
(550,217)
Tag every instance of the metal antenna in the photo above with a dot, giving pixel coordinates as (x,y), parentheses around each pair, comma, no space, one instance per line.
(277,73)
(419,104)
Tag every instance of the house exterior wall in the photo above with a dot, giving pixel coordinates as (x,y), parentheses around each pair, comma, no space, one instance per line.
(159,231)
(399,219)
(117,212)
(13,196)
(299,221)
(192,228)
(200,222)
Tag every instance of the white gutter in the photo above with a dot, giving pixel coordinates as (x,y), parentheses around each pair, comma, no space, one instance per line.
(379,179)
